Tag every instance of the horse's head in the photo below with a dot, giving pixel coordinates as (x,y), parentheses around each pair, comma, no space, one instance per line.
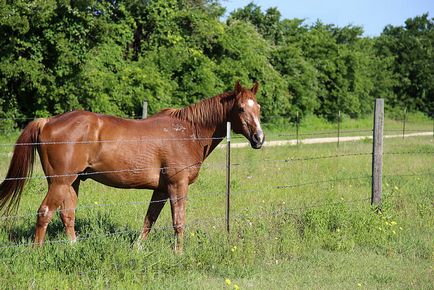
(246,114)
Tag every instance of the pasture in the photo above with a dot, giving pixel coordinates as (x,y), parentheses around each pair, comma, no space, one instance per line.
(300,218)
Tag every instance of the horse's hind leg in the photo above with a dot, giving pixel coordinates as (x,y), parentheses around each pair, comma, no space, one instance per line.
(67,210)
(59,192)
(156,204)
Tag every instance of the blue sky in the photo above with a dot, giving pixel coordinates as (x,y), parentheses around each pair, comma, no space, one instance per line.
(372,15)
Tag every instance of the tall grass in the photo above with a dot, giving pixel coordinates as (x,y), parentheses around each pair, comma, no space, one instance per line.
(296,222)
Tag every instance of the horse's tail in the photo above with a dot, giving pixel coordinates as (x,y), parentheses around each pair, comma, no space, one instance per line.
(20,167)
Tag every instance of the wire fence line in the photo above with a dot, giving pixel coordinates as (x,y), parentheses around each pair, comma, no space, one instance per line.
(222,193)
(95,205)
(219,165)
(320,133)
(338,155)
(237,192)
(147,140)
(163,169)
(333,180)
(222,165)
(206,221)
(209,221)
(202,221)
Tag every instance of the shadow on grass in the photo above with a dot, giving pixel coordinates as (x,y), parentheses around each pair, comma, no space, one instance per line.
(96,224)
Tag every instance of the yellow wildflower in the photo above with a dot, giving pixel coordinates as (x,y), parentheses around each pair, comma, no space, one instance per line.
(236,287)
(227,281)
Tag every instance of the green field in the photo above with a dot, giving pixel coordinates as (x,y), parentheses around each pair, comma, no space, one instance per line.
(300,219)
(312,126)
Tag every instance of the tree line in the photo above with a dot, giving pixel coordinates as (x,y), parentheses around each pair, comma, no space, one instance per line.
(109,55)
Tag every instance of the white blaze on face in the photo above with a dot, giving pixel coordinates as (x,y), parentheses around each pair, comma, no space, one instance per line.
(258,125)
(251,103)
(259,132)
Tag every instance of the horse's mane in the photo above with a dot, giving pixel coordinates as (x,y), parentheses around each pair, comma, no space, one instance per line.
(207,112)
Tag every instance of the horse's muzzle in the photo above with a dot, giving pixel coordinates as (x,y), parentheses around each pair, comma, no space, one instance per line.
(257,139)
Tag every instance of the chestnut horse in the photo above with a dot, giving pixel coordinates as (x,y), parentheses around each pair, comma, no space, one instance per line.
(163,153)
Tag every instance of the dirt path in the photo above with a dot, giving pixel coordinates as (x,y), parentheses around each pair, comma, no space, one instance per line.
(323,140)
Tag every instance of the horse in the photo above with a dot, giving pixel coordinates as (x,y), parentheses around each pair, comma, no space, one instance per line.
(163,153)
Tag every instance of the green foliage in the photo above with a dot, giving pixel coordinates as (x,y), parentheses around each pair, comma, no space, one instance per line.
(411,48)
(108,56)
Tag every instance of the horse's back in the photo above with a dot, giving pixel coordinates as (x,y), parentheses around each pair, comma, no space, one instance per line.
(86,126)
(81,141)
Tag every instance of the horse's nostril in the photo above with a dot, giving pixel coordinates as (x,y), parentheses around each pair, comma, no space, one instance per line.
(255,138)
(258,136)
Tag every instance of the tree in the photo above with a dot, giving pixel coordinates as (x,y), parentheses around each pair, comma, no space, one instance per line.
(411,47)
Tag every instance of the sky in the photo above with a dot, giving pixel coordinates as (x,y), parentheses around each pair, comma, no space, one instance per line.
(372,15)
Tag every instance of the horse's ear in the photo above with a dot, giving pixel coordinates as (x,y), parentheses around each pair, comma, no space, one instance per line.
(238,88)
(255,87)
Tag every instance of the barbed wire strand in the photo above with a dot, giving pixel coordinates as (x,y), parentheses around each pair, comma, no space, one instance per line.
(203,221)
(209,166)
(147,140)
(334,180)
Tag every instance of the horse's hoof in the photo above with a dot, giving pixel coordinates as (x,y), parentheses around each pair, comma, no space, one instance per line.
(139,245)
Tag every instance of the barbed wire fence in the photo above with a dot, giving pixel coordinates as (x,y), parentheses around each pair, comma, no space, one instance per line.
(220,165)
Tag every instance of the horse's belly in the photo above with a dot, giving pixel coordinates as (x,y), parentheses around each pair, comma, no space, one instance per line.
(128,179)
(126,165)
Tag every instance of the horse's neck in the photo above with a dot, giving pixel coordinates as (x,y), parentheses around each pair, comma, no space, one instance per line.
(209,118)
(211,137)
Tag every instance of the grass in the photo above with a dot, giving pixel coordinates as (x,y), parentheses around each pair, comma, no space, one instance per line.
(285,231)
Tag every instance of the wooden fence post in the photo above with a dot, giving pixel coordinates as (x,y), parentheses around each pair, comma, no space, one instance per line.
(339,126)
(228,173)
(297,121)
(145,109)
(377,153)
(403,123)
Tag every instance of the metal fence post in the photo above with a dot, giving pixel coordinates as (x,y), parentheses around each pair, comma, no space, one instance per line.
(228,173)
(377,153)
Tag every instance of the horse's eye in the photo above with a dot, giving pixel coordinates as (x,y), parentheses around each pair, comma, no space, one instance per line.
(241,110)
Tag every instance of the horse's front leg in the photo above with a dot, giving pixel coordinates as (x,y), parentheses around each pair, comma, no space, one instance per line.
(178,195)
(156,204)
